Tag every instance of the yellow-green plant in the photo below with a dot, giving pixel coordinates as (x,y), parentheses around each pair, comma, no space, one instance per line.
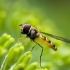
(12,58)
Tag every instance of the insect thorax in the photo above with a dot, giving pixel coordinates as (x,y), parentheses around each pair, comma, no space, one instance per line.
(32,34)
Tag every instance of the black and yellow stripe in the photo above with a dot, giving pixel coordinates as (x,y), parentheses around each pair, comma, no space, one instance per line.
(46,41)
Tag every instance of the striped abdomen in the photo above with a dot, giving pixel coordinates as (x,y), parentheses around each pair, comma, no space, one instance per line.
(45,41)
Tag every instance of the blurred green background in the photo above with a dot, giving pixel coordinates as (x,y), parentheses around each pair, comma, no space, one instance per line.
(50,16)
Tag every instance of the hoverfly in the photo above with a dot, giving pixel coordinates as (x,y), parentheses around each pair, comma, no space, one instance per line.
(34,33)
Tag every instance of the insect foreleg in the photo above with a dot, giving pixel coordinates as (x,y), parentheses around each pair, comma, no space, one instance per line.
(22,39)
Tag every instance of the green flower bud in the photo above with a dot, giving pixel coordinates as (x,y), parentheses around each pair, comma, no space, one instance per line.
(23,56)
(4,38)
(32,66)
(20,65)
(11,57)
(8,43)
(2,51)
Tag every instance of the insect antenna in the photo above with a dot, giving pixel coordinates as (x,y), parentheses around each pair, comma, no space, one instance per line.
(20,24)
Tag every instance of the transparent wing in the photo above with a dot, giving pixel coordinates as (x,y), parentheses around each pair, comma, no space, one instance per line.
(57,37)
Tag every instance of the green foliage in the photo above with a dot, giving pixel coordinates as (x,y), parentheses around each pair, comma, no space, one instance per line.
(12,59)
(49,16)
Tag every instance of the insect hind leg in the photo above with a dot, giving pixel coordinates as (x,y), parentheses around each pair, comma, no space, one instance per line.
(41,53)
(33,47)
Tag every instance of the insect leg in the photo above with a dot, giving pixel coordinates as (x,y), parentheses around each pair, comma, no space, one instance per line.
(41,53)
(22,39)
(33,47)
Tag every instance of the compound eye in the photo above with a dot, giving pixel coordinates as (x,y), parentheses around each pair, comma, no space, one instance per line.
(26,28)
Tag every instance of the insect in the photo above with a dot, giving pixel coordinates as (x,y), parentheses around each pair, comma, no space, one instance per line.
(34,33)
